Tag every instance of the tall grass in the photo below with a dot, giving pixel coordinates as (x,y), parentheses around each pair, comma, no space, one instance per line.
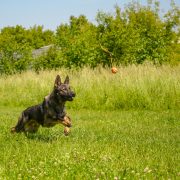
(144,86)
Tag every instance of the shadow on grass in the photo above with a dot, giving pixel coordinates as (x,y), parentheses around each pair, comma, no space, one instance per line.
(50,137)
(47,136)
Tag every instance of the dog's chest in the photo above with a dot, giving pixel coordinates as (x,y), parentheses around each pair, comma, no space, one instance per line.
(57,111)
(53,116)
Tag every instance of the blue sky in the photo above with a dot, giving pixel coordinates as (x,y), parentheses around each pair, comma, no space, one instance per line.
(51,13)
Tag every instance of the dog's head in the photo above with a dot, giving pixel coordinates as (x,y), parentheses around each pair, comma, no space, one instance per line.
(62,90)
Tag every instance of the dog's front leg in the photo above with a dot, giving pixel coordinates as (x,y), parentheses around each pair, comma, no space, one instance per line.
(65,120)
(67,130)
(68,121)
(50,121)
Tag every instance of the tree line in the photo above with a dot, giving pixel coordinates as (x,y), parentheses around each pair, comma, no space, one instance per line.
(135,35)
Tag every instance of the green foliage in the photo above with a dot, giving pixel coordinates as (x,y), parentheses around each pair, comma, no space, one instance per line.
(16,45)
(52,59)
(137,34)
(34,37)
(134,36)
(174,55)
(78,42)
(37,38)
(14,57)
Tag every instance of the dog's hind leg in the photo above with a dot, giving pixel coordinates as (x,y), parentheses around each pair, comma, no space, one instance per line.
(25,133)
(12,130)
(20,125)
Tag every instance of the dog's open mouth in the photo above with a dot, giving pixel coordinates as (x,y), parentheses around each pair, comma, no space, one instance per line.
(68,98)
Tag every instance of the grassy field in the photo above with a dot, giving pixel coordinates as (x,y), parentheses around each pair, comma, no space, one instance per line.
(101,145)
(125,126)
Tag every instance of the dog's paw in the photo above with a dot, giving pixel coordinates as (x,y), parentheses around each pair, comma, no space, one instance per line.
(69,125)
(66,131)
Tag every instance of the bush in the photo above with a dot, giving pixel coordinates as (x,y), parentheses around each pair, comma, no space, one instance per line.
(52,59)
(134,35)
(15,57)
(78,43)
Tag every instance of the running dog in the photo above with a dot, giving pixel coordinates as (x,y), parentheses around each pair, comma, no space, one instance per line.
(50,112)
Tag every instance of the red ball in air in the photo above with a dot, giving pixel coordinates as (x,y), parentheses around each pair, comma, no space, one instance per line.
(114,70)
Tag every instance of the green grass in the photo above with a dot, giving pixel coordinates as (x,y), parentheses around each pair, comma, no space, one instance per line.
(125,125)
(142,87)
(101,145)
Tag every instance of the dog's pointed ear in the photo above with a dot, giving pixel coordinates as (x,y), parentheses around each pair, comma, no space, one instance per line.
(57,81)
(67,80)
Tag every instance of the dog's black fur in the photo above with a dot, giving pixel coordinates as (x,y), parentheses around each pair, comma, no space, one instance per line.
(50,112)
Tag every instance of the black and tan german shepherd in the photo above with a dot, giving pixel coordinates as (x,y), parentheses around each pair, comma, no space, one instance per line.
(50,112)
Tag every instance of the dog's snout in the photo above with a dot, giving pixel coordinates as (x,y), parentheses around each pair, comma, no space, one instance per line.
(70,125)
